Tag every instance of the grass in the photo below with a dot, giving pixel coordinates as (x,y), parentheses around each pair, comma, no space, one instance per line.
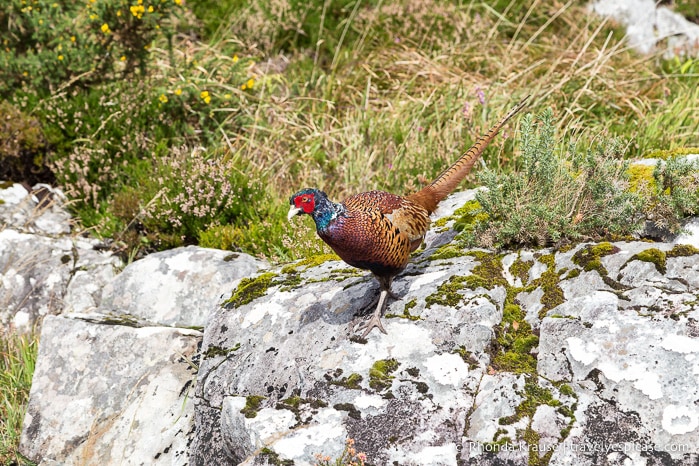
(17,358)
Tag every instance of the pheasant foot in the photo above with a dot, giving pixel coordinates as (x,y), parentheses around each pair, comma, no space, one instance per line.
(375,319)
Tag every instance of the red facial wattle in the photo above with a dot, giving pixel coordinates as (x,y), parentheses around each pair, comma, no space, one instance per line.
(305,202)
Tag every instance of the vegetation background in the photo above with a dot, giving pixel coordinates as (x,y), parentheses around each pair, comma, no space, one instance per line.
(172,122)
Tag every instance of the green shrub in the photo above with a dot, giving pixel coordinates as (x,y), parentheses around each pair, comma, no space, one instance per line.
(555,196)
(50,44)
(676,193)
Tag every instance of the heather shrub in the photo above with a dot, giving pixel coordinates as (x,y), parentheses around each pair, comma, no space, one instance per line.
(23,147)
(199,189)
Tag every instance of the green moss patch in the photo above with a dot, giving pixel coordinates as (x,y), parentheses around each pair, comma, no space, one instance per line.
(511,348)
(654,256)
(670,153)
(380,377)
(250,289)
(641,179)
(589,256)
(310,262)
(465,217)
(215,351)
(351,381)
(682,250)
(448,251)
(406,311)
(553,294)
(253,404)
(520,269)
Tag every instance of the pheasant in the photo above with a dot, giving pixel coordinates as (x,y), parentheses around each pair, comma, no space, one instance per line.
(376,230)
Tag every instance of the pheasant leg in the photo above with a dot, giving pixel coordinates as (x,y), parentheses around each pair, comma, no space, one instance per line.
(375,319)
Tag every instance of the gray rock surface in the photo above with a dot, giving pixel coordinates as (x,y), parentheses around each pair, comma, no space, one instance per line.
(113,377)
(614,381)
(183,284)
(650,27)
(110,394)
(44,269)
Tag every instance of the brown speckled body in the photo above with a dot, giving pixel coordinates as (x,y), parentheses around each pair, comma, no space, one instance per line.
(377,231)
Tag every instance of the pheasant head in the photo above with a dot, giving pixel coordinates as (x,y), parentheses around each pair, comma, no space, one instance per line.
(315,203)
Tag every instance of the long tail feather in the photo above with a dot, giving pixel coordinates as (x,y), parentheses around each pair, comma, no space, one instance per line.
(450,178)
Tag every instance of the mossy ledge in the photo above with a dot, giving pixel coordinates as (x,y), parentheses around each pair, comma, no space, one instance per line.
(250,289)
(654,256)
(488,274)
(309,262)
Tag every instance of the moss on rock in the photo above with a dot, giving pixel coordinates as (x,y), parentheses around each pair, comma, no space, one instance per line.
(380,373)
(682,250)
(654,256)
(253,404)
(250,289)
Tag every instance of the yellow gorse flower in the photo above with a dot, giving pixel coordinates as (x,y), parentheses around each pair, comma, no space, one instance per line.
(235,58)
(105,28)
(150,9)
(137,10)
(205,96)
(163,98)
(178,91)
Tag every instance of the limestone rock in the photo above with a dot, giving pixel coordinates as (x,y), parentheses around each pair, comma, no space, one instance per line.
(649,26)
(183,284)
(45,270)
(44,275)
(110,394)
(612,333)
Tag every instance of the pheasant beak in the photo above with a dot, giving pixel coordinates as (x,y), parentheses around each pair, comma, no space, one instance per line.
(293,212)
